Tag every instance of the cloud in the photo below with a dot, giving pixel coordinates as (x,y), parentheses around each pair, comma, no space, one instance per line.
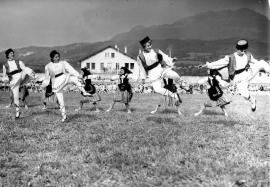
(60,22)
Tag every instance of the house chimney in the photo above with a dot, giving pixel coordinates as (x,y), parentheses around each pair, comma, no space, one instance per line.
(115,46)
(140,51)
(125,49)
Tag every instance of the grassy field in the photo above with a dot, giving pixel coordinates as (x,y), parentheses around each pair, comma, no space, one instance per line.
(138,149)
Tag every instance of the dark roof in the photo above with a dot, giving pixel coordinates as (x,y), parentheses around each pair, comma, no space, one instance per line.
(93,54)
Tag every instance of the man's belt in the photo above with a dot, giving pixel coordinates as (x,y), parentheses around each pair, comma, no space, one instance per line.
(59,74)
(240,71)
(14,72)
(148,68)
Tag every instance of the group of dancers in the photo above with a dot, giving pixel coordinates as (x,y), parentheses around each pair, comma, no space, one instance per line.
(236,69)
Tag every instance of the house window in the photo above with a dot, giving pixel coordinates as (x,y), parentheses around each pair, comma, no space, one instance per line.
(102,66)
(131,65)
(117,66)
(88,65)
(109,66)
(113,55)
(93,65)
(127,65)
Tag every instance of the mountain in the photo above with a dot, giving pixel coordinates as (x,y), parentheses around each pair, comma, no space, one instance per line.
(241,23)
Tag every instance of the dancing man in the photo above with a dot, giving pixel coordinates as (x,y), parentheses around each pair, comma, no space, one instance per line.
(18,75)
(239,68)
(156,65)
(61,73)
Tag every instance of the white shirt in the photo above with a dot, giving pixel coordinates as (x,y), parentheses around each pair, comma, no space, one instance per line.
(151,58)
(12,66)
(16,78)
(241,62)
(53,69)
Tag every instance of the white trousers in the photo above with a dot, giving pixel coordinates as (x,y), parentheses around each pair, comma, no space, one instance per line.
(16,94)
(60,96)
(15,84)
(157,84)
(242,81)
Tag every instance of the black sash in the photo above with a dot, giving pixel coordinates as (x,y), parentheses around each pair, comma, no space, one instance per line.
(59,74)
(15,72)
(240,71)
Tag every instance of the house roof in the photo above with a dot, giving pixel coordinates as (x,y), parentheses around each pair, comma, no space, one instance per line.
(117,50)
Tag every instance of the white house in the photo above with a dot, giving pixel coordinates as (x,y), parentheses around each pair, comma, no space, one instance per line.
(109,60)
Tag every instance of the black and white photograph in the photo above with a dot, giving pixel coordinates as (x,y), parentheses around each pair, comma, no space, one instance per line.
(139,93)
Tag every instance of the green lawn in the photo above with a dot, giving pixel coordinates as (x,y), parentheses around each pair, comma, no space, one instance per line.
(138,149)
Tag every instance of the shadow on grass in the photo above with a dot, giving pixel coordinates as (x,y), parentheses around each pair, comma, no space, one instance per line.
(33,105)
(161,120)
(121,109)
(42,112)
(227,121)
(74,117)
(212,113)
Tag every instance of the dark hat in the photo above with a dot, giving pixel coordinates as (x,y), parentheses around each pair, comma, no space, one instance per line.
(86,72)
(53,53)
(126,70)
(145,40)
(242,44)
(8,51)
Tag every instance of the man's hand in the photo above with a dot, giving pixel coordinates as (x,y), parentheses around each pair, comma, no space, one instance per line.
(203,65)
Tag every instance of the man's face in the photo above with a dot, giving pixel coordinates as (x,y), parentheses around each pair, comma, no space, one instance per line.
(11,56)
(56,58)
(148,46)
(241,52)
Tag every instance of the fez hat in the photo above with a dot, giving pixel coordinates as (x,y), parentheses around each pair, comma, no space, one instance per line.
(126,70)
(8,51)
(242,44)
(145,40)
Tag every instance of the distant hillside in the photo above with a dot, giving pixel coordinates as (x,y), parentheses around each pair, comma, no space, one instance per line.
(241,23)
(38,57)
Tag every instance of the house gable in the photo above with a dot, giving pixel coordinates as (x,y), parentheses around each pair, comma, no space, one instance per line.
(109,60)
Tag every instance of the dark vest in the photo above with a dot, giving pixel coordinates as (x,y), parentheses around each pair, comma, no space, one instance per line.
(227,73)
(18,70)
(232,65)
(148,68)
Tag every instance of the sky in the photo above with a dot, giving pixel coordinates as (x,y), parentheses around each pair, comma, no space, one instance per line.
(61,22)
